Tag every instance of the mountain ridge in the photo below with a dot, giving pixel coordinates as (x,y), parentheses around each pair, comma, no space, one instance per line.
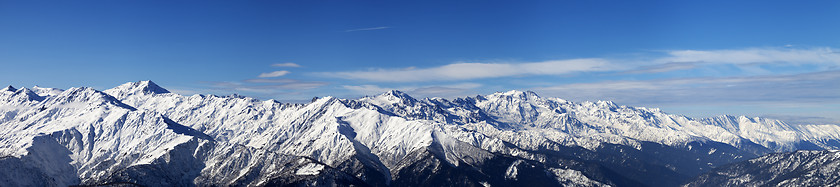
(375,140)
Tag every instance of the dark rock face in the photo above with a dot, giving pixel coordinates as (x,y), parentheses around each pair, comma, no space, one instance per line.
(800,168)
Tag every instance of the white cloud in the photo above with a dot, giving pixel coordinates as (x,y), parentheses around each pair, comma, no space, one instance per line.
(368,29)
(271,80)
(672,61)
(287,64)
(807,87)
(267,85)
(756,55)
(464,85)
(274,74)
(467,71)
(278,88)
(439,91)
(666,67)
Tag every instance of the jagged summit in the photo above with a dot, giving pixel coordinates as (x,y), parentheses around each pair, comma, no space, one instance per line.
(392,97)
(48,92)
(140,87)
(150,87)
(22,95)
(516,93)
(397,94)
(87,95)
(9,89)
(29,94)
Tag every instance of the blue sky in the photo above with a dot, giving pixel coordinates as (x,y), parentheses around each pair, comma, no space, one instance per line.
(698,58)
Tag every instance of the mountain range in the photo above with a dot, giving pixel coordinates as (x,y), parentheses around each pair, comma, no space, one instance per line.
(139,133)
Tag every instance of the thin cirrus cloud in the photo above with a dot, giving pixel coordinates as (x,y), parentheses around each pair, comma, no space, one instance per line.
(273,74)
(746,59)
(756,55)
(267,85)
(805,94)
(367,29)
(467,71)
(280,87)
(673,60)
(270,80)
(666,67)
(815,87)
(287,64)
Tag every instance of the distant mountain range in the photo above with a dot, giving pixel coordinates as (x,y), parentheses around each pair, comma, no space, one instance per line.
(141,134)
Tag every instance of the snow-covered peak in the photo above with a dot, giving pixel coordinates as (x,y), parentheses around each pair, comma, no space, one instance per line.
(136,88)
(46,92)
(86,96)
(20,96)
(735,123)
(390,99)
(516,94)
(775,134)
(606,103)
(28,94)
(396,95)
(8,89)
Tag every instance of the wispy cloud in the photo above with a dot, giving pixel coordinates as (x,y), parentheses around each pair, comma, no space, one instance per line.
(287,64)
(267,85)
(673,60)
(666,67)
(467,71)
(756,55)
(270,80)
(277,88)
(368,29)
(748,60)
(273,74)
(806,87)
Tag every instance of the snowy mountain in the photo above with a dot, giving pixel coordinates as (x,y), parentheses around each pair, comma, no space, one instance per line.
(800,168)
(140,133)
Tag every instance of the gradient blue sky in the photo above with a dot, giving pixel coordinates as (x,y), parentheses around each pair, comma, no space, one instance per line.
(699,58)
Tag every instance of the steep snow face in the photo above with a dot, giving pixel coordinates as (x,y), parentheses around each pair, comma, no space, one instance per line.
(9,88)
(326,129)
(778,135)
(23,96)
(84,136)
(800,168)
(69,135)
(141,88)
(47,92)
(136,88)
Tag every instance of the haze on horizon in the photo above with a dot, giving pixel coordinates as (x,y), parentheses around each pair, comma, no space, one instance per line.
(758,58)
